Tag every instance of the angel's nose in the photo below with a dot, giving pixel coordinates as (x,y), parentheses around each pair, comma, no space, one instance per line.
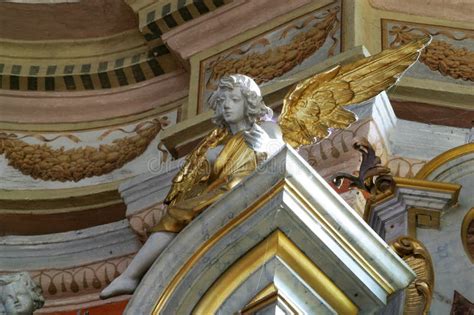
(227,104)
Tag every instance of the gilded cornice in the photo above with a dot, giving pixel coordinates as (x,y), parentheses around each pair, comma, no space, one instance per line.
(268,295)
(433,186)
(199,253)
(275,245)
(302,202)
(412,184)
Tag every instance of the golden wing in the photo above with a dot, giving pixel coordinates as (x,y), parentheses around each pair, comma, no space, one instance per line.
(316,104)
(195,169)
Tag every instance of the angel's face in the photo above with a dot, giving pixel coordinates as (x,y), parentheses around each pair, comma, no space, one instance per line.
(232,105)
(17,300)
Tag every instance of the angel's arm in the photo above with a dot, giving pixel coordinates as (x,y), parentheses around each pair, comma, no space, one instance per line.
(264,137)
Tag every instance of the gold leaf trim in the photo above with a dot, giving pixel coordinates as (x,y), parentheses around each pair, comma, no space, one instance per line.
(443,158)
(466,237)
(275,245)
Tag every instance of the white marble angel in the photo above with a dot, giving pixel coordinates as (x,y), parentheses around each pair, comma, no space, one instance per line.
(245,136)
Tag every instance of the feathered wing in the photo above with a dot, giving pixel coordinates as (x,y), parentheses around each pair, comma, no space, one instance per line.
(195,169)
(316,104)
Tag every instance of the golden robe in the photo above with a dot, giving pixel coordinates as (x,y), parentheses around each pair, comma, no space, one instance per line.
(236,161)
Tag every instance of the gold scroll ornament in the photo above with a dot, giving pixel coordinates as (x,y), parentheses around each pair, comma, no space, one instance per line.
(420,292)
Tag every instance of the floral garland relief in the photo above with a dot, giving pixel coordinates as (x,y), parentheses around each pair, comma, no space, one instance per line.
(274,62)
(40,161)
(441,56)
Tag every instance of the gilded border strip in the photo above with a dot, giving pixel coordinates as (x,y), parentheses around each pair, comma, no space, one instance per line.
(443,158)
(279,245)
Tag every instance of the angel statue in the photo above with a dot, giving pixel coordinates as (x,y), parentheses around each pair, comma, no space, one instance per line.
(245,136)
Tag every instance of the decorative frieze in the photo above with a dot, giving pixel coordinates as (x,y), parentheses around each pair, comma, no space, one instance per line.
(77,263)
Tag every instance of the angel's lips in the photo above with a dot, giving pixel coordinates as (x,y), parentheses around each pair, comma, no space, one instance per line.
(228,113)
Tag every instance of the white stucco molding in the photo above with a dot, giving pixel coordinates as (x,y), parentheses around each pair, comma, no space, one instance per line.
(68,249)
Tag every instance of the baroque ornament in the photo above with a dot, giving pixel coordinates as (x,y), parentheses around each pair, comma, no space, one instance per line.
(245,136)
(274,62)
(93,277)
(40,161)
(420,292)
(441,56)
(373,178)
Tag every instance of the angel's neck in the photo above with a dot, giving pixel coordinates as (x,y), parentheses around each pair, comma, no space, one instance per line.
(239,126)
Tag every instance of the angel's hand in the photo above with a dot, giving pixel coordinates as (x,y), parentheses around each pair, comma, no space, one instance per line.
(258,139)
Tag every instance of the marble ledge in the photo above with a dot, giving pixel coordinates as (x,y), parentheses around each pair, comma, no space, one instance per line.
(68,249)
(389,217)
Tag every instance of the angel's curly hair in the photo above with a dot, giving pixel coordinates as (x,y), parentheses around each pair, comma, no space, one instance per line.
(255,109)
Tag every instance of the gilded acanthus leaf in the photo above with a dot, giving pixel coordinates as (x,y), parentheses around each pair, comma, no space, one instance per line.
(316,104)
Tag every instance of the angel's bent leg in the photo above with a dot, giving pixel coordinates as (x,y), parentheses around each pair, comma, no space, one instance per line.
(127,282)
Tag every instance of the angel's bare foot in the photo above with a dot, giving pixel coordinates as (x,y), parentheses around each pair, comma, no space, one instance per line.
(128,281)
(121,285)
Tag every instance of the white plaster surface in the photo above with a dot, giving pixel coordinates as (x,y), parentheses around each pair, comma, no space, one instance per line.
(423,141)
(453,269)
